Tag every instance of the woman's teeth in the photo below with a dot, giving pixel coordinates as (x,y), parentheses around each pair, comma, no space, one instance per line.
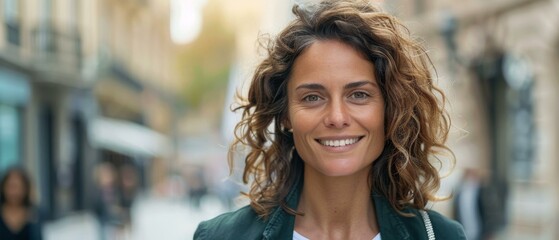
(338,143)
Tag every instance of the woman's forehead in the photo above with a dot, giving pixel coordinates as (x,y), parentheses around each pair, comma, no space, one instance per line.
(325,61)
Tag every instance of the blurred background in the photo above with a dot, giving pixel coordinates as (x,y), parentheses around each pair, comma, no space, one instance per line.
(120,110)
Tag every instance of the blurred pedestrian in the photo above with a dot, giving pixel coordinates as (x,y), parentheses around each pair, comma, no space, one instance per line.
(19,220)
(129,182)
(341,121)
(107,206)
(477,206)
(468,204)
(197,185)
(226,191)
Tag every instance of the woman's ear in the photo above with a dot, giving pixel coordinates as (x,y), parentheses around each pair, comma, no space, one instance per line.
(287,123)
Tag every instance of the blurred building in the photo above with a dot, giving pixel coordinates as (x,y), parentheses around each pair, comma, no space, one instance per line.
(497,62)
(83,82)
(45,99)
(271,17)
(137,86)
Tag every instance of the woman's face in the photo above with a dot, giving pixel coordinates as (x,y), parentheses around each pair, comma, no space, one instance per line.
(336,109)
(14,189)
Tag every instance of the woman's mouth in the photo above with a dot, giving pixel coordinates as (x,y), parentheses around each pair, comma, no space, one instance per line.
(339,142)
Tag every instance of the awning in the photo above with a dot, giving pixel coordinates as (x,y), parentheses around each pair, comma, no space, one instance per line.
(128,138)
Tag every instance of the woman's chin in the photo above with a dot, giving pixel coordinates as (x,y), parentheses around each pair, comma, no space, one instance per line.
(341,170)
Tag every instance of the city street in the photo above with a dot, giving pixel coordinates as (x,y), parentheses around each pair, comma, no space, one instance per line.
(153,218)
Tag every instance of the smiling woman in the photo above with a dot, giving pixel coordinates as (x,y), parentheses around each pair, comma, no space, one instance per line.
(355,118)
(335,110)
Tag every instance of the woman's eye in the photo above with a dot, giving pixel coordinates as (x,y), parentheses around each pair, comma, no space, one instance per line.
(311,98)
(359,95)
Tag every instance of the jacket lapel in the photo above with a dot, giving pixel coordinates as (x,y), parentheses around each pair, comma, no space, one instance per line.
(390,224)
(281,223)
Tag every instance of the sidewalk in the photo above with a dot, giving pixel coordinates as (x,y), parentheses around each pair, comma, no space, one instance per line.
(81,226)
(153,219)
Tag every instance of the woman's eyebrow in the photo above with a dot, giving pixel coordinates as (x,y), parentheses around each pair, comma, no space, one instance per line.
(359,84)
(317,86)
(310,86)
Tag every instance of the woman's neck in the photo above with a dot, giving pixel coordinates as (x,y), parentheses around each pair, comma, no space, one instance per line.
(336,207)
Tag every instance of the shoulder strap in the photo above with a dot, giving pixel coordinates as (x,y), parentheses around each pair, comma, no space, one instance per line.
(428,225)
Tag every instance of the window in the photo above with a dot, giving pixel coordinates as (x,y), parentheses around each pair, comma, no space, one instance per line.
(14,94)
(10,132)
(11,14)
(45,36)
(419,7)
(11,10)
(521,128)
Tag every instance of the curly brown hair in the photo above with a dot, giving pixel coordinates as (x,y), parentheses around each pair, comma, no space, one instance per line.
(416,124)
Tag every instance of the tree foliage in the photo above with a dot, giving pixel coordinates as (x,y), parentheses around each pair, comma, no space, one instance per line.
(205,63)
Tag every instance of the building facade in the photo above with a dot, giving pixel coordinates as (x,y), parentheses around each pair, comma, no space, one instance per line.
(82,82)
(496,61)
(46,100)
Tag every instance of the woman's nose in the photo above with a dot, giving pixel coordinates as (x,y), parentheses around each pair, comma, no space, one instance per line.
(337,115)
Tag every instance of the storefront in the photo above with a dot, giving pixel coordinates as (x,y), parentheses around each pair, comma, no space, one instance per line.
(14,95)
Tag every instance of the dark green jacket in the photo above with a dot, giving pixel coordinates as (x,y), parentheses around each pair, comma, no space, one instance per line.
(246,225)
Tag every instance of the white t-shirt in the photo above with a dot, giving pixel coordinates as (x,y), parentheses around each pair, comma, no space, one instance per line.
(297,236)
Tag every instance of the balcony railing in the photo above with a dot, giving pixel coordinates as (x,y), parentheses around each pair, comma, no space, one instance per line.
(54,48)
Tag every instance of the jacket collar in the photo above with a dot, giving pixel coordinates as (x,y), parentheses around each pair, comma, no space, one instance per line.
(389,221)
(281,224)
